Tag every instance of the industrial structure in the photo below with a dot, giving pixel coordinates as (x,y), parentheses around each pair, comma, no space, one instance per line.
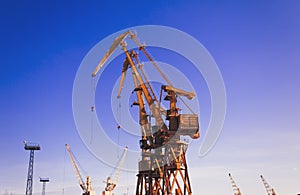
(236,190)
(44,181)
(86,187)
(270,190)
(32,147)
(163,168)
(112,180)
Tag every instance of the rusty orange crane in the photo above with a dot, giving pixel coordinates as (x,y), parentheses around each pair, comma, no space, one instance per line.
(163,166)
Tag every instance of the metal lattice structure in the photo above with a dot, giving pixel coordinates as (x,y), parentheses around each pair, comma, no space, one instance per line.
(163,167)
(86,187)
(32,147)
(270,190)
(44,181)
(236,190)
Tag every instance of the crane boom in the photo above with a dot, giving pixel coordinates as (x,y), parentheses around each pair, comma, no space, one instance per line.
(110,51)
(236,190)
(117,174)
(111,185)
(78,175)
(270,190)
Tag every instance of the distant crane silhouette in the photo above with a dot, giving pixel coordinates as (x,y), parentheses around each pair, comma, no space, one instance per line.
(236,190)
(270,190)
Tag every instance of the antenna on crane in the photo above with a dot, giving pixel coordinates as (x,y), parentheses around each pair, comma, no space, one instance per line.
(270,190)
(32,147)
(236,190)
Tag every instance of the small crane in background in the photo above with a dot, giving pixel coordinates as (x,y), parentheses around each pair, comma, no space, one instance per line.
(86,187)
(270,190)
(236,190)
(112,182)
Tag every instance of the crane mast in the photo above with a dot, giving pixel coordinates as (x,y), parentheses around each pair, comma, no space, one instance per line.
(236,190)
(270,190)
(86,187)
(163,167)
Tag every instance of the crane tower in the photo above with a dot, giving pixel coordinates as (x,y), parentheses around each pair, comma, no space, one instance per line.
(236,190)
(32,147)
(163,166)
(270,190)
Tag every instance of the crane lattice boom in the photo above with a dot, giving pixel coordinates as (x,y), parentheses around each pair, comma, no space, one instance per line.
(236,190)
(77,172)
(270,190)
(111,184)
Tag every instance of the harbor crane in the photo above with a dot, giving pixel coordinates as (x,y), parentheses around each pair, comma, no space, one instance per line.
(32,147)
(112,181)
(270,190)
(236,190)
(86,187)
(163,166)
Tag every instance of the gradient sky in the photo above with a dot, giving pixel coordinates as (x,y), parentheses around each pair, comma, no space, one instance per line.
(256,45)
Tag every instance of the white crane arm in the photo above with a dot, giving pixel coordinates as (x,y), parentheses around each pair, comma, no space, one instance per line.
(110,51)
(81,182)
(117,174)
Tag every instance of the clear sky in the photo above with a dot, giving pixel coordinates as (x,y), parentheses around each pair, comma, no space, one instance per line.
(256,45)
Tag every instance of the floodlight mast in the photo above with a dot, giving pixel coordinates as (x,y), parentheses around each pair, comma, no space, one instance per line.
(44,181)
(163,168)
(31,147)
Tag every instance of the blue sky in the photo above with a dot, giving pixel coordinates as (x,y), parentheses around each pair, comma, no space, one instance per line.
(255,44)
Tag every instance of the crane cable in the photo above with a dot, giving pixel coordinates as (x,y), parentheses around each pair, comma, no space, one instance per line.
(64,173)
(152,60)
(92,103)
(119,121)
